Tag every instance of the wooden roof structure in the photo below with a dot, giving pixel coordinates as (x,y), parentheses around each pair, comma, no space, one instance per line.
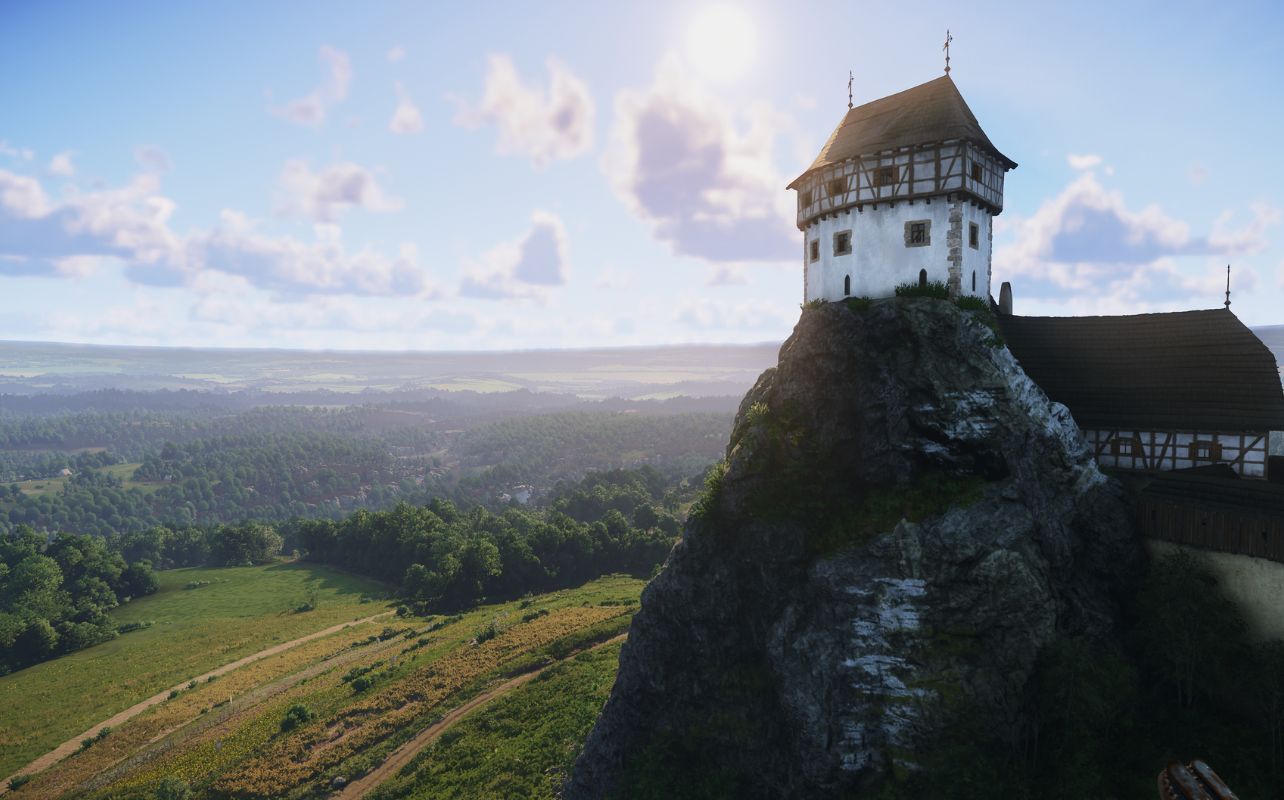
(1215,489)
(930,112)
(1188,370)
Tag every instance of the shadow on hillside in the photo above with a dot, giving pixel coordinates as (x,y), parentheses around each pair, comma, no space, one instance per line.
(325,577)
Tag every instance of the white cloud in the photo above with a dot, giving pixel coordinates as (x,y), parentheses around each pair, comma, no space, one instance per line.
(396,53)
(612,277)
(523,268)
(289,266)
(61,164)
(153,159)
(1083,162)
(20,153)
(323,196)
(769,319)
(311,108)
(131,222)
(406,118)
(678,160)
(727,275)
(542,124)
(41,237)
(1086,249)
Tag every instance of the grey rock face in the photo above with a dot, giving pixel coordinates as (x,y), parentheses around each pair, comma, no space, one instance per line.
(786,644)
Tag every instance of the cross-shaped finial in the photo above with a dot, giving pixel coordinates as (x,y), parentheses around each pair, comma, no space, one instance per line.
(946,48)
(849,88)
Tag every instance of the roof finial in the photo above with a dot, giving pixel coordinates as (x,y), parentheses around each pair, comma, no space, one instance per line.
(1228,287)
(946,48)
(849,88)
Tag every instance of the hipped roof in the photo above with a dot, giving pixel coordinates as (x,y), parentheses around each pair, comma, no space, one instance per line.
(930,112)
(1190,370)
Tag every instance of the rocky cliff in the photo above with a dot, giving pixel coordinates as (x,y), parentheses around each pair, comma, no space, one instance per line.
(904,522)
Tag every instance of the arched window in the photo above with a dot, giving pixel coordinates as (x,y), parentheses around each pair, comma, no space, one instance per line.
(847,286)
(922,279)
(973,280)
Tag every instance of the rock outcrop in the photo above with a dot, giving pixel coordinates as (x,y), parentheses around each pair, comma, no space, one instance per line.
(905,521)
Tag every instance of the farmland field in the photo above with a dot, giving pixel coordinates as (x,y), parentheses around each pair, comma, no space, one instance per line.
(240,611)
(360,694)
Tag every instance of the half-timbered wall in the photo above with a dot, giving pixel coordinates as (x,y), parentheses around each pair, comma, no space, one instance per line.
(950,186)
(905,174)
(1164,450)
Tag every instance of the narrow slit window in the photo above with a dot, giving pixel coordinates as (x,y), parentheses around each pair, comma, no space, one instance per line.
(815,249)
(847,286)
(974,235)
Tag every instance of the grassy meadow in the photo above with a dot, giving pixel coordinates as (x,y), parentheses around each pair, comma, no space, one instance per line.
(239,611)
(519,747)
(125,472)
(365,690)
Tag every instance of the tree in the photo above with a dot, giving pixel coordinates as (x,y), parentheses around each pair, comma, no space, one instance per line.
(1187,626)
(138,580)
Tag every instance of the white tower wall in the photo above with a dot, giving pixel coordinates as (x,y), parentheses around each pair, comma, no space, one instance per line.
(882,256)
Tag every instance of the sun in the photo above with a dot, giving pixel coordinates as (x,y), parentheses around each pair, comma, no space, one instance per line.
(721,41)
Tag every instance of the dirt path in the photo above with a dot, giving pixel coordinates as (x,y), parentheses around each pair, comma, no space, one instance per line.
(72,745)
(405,754)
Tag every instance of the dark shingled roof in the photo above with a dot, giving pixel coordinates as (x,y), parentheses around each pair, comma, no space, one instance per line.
(1190,370)
(1216,493)
(930,112)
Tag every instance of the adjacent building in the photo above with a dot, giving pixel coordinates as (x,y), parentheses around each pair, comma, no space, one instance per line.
(1158,391)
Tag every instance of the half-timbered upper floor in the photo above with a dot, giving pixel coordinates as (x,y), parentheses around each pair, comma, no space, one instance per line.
(916,144)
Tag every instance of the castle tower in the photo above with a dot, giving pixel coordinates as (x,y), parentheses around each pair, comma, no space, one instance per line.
(904,191)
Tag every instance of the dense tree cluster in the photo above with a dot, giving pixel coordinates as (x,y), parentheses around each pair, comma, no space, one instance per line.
(447,558)
(55,594)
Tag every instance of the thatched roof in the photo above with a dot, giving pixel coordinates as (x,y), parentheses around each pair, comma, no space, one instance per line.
(1190,370)
(930,112)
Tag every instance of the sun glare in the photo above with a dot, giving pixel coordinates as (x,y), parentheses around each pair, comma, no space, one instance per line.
(721,41)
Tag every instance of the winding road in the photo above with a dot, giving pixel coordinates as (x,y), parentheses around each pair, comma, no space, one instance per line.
(72,745)
(405,754)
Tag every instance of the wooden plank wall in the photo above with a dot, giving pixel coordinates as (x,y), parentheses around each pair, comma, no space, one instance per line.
(1259,535)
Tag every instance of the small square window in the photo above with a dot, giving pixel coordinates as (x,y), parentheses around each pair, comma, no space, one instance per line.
(976,172)
(918,233)
(974,235)
(815,249)
(1129,446)
(884,176)
(836,187)
(1205,451)
(842,243)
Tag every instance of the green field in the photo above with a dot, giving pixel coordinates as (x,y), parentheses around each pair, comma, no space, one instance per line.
(125,472)
(521,746)
(225,738)
(242,611)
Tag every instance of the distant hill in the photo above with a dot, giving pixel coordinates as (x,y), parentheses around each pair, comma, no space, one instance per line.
(632,373)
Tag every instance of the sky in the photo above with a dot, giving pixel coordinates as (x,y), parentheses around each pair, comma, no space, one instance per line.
(465,176)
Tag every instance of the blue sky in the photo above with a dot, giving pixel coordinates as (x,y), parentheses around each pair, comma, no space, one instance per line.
(514,175)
